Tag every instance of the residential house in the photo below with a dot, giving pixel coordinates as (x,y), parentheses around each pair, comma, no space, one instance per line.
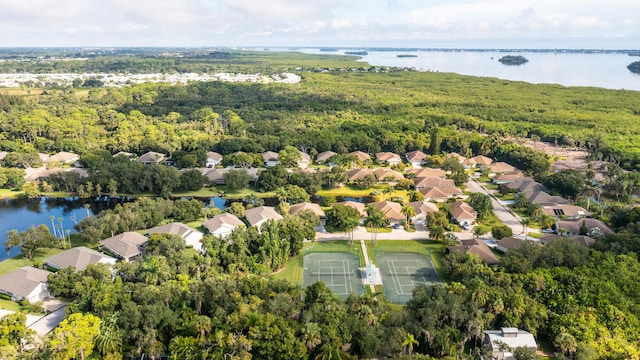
(415,158)
(440,194)
(388,175)
(500,168)
(362,156)
(433,181)
(125,246)
(526,185)
(572,227)
(216,176)
(422,208)
(64,157)
(456,156)
(477,162)
(543,198)
(356,205)
(78,258)
(357,175)
(123,153)
(583,240)
(504,342)
(475,247)
(191,237)
(314,208)
(270,158)
(26,283)
(258,215)
(43,173)
(511,243)
(213,159)
(152,157)
(548,238)
(391,210)
(223,224)
(43,157)
(325,156)
(565,211)
(510,177)
(427,172)
(389,158)
(463,213)
(305,160)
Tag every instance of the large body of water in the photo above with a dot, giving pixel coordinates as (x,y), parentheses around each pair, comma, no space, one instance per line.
(606,70)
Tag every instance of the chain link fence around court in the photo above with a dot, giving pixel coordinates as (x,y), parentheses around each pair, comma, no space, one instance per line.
(338,270)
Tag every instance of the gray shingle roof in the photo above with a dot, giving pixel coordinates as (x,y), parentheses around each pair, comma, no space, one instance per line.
(125,245)
(78,258)
(21,282)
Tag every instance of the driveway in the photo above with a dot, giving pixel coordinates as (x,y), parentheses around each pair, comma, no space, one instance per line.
(502,212)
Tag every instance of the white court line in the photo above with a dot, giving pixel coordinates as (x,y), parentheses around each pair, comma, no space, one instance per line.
(394,276)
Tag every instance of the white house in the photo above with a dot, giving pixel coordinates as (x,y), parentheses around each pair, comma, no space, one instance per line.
(26,283)
(190,236)
(213,159)
(258,215)
(505,341)
(415,158)
(270,158)
(223,224)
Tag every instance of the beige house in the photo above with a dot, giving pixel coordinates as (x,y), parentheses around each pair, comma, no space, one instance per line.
(391,210)
(388,175)
(152,157)
(422,208)
(356,175)
(433,181)
(427,172)
(213,159)
(26,283)
(440,194)
(477,161)
(362,156)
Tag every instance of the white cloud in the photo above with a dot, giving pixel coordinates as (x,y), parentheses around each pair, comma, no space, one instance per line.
(318,22)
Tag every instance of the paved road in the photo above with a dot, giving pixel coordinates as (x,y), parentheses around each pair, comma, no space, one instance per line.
(47,323)
(502,212)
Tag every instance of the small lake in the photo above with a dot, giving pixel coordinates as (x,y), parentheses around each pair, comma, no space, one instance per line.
(20,214)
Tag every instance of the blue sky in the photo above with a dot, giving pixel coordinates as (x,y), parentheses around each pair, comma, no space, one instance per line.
(394,23)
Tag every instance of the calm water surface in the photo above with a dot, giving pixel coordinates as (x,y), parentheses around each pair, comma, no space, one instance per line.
(606,70)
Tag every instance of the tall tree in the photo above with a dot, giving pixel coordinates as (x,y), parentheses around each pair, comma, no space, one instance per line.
(74,337)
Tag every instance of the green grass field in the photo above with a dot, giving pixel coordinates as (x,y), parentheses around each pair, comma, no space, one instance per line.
(9,305)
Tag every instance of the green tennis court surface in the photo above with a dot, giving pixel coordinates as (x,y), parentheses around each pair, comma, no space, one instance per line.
(402,272)
(339,271)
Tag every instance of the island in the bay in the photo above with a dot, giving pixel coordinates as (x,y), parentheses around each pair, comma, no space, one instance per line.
(634,67)
(513,60)
(406,55)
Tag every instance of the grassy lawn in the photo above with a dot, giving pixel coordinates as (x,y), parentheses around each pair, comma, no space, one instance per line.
(489,222)
(204,192)
(240,194)
(9,193)
(425,247)
(379,230)
(9,305)
(345,191)
(40,254)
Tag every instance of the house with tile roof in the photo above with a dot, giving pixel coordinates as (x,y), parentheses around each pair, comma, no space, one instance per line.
(152,157)
(422,208)
(213,159)
(463,213)
(223,224)
(259,215)
(389,158)
(440,194)
(427,172)
(78,258)
(391,210)
(356,175)
(191,236)
(125,246)
(270,158)
(415,158)
(360,155)
(475,247)
(477,162)
(572,227)
(388,175)
(325,156)
(26,283)
(433,181)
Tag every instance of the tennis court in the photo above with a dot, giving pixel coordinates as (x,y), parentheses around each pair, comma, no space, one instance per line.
(339,271)
(402,272)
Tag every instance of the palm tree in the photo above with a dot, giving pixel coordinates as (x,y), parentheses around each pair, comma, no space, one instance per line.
(332,351)
(311,335)
(375,219)
(408,342)
(520,201)
(479,231)
(436,233)
(566,343)
(409,212)
(53,225)
(525,225)
(68,232)
(61,228)
(154,270)
(546,221)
